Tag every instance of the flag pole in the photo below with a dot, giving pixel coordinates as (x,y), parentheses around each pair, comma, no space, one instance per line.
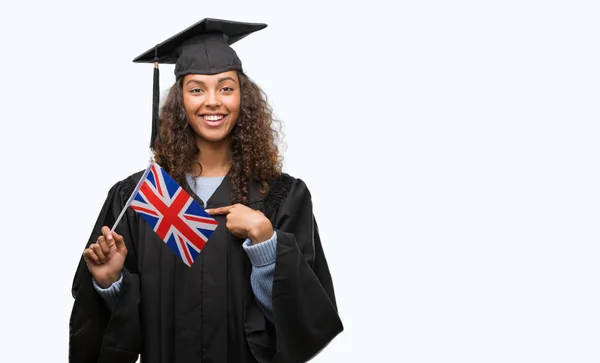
(137,189)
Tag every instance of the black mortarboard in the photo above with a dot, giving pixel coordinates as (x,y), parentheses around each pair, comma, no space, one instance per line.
(203,48)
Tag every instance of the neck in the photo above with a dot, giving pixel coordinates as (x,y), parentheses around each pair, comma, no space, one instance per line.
(215,157)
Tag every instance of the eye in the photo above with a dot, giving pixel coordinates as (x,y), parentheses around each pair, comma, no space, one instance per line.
(227,89)
(196,90)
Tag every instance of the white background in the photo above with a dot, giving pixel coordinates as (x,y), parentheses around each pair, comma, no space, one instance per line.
(451,149)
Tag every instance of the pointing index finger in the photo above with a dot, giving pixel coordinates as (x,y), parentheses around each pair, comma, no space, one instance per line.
(217,211)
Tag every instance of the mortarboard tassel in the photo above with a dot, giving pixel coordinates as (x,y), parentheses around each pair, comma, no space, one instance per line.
(155,101)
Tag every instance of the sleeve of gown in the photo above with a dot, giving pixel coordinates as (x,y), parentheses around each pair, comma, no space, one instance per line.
(305,315)
(97,333)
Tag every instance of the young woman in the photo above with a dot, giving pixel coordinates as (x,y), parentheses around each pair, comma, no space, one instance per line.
(260,290)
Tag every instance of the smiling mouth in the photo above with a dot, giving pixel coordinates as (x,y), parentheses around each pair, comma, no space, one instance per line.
(213,118)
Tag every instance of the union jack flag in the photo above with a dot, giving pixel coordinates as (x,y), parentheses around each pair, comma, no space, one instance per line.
(175,217)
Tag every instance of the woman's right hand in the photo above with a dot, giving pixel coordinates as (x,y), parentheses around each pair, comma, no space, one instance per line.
(106,257)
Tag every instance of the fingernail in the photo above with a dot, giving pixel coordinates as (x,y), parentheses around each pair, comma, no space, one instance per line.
(109,237)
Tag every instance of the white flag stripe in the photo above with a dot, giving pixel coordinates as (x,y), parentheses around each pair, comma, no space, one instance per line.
(190,244)
(195,224)
(149,206)
(163,185)
(202,225)
(173,232)
(158,179)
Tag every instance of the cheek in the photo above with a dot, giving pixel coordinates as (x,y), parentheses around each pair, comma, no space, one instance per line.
(233,105)
(190,104)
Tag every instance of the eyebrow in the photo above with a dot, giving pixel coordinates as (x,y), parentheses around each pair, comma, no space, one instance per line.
(227,79)
(220,80)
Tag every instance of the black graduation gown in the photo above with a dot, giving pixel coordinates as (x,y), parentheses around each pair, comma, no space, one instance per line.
(172,313)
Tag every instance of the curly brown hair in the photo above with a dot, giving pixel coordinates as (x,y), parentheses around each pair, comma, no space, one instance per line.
(254,138)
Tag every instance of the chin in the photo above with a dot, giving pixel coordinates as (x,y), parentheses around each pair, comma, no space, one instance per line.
(213,136)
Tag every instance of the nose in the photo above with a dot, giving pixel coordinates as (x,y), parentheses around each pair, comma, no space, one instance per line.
(212,100)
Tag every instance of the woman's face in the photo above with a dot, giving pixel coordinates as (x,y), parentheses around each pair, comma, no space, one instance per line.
(212,103)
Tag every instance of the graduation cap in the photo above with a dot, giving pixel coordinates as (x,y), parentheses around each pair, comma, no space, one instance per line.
(203,48)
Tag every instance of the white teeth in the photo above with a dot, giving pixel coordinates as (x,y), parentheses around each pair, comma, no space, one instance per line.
(213,117)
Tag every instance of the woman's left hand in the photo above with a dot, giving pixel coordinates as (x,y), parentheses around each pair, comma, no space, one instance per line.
(245,222)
